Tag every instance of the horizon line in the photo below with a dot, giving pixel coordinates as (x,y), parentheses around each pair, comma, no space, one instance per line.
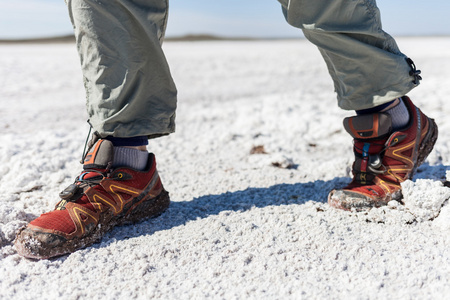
(67,38)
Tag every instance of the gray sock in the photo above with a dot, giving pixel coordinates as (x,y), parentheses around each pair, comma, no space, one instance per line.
(130,158)
(399,115)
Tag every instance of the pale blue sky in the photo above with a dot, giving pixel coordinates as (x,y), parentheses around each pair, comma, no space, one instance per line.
(257,18)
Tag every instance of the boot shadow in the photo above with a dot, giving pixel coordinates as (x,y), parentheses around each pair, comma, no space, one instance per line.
(181,212)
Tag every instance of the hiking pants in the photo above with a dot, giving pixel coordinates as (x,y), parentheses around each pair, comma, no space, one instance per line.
(130,91)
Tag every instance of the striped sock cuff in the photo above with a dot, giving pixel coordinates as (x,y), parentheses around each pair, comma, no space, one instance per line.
(130,158)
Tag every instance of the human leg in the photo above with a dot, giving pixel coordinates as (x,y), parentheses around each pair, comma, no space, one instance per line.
(130,97)
(371,76)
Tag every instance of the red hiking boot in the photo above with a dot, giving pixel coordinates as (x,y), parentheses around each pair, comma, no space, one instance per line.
(384,159)
(99,199)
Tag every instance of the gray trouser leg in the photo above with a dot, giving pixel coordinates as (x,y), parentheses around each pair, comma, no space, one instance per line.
(130,91)
(364,62)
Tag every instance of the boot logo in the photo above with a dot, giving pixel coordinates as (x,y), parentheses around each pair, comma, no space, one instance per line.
(116,202)
(363,178)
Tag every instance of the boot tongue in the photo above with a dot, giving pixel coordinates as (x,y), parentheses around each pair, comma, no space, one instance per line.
(100,157)
(370,126)
(97,161)
(370,132)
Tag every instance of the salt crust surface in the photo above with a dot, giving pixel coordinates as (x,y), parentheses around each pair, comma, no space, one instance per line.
(241,225)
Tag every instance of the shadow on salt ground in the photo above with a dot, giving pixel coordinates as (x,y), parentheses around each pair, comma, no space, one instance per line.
(437,172)
(180,213)
(281,194)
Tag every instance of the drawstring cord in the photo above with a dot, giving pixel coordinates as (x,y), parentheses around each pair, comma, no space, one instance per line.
(414,72)
(91,143)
